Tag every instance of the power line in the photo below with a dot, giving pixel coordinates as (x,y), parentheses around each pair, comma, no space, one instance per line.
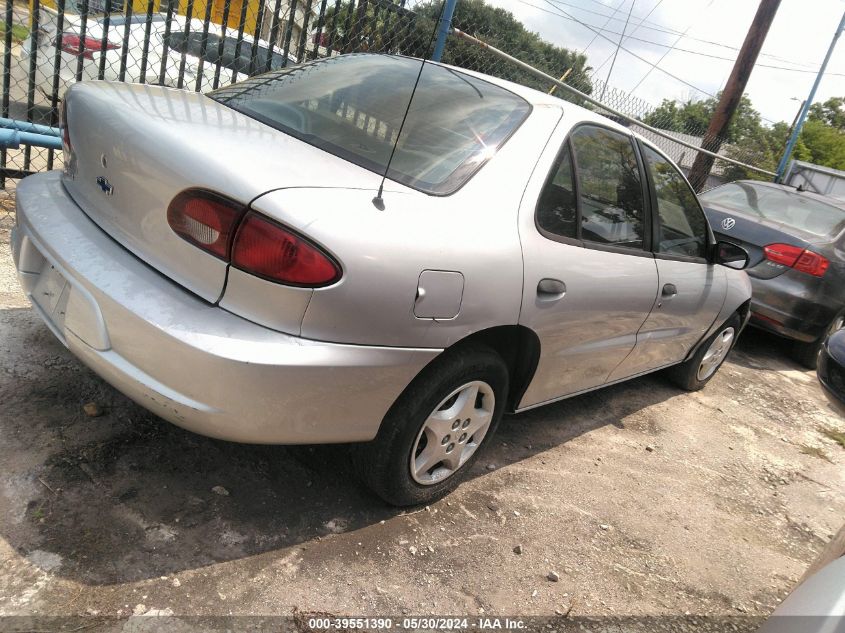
(680,37)
(633,54)
(671,47)
(616,52)
(660,28)
(609,18)
(636,28)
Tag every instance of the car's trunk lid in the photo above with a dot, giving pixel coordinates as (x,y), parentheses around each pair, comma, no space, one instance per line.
(754,233)
(135,147)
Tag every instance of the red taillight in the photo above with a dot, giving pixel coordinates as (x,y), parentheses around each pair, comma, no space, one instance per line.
(798,258)
(812,263)
(251,242)
(205,219)
(73,44)
(268,250)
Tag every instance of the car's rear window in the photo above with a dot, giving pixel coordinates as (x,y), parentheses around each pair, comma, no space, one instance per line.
(778,205)
(352,106)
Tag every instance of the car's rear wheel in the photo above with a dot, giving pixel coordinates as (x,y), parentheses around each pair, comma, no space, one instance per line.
(808,353)
(696,372)
(434,431)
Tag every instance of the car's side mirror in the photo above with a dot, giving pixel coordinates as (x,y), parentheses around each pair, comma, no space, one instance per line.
(730,255)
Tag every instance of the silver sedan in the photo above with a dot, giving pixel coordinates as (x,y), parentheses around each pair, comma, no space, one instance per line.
(229,262)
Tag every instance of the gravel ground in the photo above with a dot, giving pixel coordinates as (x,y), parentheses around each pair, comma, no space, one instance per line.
(643,500)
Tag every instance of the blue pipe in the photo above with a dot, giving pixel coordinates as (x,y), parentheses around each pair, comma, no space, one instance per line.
(25,126)
(14,139)
(443,29)
(796,130)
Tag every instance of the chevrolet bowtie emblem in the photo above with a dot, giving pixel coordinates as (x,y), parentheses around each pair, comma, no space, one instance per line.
(105,185)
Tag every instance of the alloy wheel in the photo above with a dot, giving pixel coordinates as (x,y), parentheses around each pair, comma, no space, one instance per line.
(452,433)
(716,353)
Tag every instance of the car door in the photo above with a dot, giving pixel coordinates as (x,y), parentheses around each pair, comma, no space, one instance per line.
(692,290)
(590,279)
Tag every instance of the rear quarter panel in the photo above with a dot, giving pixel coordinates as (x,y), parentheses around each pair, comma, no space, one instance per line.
(383,252)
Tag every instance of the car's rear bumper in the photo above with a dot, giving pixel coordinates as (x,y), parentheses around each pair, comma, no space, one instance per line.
(786,306)
(188,361)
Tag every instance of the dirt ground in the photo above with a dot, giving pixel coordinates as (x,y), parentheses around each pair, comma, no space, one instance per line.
(643,499)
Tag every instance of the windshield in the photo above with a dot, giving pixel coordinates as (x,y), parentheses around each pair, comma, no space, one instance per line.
(352,106)
(778,205)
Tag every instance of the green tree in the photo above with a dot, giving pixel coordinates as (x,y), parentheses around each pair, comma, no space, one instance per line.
(825,144)
(693,117)
(822,138)
(831,112)
(368,26)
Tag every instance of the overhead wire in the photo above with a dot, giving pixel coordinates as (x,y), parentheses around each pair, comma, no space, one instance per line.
(670,31)
(624,37)
(616,52)
(674,44)
(602,32)
(630,52)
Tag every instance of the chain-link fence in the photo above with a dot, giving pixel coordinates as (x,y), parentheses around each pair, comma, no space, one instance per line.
(497,30)
(47,45)
(193,44)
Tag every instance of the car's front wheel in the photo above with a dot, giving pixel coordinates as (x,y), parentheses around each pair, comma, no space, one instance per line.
(434,431)
(697,371)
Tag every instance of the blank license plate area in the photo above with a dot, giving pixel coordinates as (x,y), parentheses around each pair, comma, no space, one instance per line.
(50,293)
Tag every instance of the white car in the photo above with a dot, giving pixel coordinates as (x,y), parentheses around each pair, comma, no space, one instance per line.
(80,55)
(220,56)
(80,58)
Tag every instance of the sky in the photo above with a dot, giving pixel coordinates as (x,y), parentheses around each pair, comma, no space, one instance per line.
(799,38)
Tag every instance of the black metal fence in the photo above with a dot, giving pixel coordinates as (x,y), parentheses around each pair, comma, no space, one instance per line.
(47,45)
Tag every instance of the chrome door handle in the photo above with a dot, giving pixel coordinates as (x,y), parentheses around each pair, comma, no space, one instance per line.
(550,289)
(669,291)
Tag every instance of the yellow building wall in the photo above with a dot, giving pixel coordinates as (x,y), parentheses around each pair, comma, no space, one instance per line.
(197,11)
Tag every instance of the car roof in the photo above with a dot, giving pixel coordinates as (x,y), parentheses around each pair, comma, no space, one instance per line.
(834,202)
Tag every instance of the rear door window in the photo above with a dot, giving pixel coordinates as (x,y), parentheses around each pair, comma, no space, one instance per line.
(557,210)
(610,188)
(681,225)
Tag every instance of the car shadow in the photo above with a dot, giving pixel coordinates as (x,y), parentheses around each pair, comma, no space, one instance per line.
(758,349)
(123,495)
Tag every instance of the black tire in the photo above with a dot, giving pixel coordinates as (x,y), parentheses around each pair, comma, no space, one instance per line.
(383,465)
(686,375)
(807,354)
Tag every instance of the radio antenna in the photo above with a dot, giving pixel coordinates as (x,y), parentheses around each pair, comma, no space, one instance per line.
(377,201)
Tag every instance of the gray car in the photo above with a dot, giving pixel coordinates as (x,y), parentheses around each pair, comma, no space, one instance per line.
(227,261)
(796,243)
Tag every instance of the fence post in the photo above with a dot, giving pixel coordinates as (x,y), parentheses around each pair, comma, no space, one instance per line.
(444,29)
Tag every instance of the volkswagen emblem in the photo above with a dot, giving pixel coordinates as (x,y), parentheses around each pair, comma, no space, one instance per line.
(728,223)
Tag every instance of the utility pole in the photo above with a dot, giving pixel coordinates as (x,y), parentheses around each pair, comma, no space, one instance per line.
(805,107)
(734,89)
(443,29)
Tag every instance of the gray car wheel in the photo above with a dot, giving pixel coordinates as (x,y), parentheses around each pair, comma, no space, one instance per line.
(435,430)
(697,371)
